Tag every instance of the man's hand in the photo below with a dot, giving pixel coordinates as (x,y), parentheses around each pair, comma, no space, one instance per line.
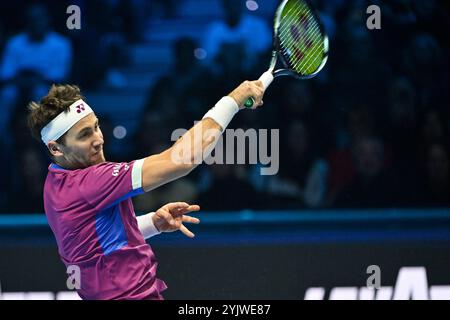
(246,90)
(171,217)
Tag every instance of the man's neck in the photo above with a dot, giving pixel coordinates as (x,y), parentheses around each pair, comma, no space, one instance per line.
(66,165)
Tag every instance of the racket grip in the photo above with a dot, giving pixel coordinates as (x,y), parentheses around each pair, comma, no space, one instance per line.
(266,79)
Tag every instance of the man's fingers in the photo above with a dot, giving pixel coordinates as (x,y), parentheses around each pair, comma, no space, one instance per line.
(173,214)
(258,93)
(179,208)
(190,219)
(168,217)
(191,208)
(259,84)
(186,231)
(176,205)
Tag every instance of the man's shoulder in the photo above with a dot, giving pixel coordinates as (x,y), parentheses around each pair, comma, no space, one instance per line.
(97,171)
(105,170)
(64,179)
(217,26)
(57,38)
(54,169)
(254,21)
(18,39)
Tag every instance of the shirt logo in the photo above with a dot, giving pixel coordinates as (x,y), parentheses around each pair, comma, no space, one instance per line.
(80,108)
(116,169)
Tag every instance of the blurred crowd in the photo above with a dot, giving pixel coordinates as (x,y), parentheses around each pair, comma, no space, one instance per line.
(370,131)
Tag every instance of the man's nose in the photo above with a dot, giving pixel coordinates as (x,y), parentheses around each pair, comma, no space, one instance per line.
(98,139)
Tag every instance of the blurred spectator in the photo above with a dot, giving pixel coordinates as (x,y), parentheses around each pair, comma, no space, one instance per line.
(4,179)
(357,58)
(164,8)
(238,27)
(358,125)
(436,180)
(373,185)
(402,110)
(401,135)
(303,176)
(181,96)
(89,65)
(327,12)
(432,17)
(423,63)
(154,137)
(108,17)
(433,128)
(136,14)
(27,195)
(2,38)
(32,61)
(228,189)
(300,100)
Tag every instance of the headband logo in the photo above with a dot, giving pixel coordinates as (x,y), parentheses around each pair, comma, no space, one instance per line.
(80,108)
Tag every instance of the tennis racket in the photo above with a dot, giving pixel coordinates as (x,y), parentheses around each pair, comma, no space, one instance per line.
(300,43)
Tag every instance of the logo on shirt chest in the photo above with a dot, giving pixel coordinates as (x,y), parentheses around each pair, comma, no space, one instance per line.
(117,167)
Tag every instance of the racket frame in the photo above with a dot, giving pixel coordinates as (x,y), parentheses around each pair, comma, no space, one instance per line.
(277,55)
(271,73)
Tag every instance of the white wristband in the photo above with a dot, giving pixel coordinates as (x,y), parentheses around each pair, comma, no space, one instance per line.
(146,226)
(223,111)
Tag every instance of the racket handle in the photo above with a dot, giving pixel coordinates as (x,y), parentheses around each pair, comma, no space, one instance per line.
(266,79)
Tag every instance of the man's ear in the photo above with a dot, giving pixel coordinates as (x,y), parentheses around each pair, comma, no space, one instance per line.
(54,149)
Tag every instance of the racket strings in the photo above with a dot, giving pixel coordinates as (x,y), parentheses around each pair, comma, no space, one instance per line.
(315,33)
(288,22)
(304,64)
(301,60)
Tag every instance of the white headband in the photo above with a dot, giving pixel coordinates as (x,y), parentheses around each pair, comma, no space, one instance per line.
(64,121)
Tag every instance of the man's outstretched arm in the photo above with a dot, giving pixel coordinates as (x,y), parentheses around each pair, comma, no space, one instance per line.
(199,141)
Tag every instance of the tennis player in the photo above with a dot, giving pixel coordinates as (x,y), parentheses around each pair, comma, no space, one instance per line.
(87,200)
